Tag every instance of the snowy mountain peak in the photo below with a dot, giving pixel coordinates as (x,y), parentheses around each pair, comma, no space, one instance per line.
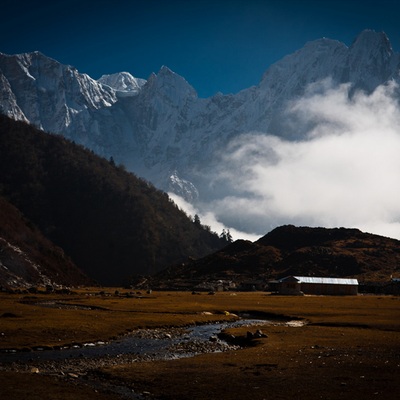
(368,62)
(123,82)
(171,84)
(30,57)
(371,60)
(371,40)
(160,125)
(50,95)
(371,47)
(321,44)
(164,70)
(316,60)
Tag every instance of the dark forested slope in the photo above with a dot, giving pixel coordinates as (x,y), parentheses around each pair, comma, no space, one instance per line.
(112,224)
(29,259)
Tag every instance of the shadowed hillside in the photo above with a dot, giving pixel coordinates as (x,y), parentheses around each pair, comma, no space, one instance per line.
(112,224)
(290,250)
(29,259)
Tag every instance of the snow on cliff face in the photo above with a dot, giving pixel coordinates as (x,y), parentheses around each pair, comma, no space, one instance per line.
(160,129)
(50,94)
(59,99)
(123,83)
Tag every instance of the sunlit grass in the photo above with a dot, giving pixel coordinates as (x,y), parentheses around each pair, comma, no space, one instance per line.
(26,322)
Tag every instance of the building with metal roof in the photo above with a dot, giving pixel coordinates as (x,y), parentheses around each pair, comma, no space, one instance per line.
(297,285)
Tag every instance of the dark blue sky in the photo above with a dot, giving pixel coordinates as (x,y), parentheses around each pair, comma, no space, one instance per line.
(215,45)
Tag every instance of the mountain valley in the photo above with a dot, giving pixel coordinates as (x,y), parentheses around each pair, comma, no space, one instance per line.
(114,225)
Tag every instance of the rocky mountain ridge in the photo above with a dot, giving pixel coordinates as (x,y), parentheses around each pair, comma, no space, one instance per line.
(158,126)
(161,130)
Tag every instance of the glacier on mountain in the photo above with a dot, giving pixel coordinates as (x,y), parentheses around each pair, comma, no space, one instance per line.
(160,129)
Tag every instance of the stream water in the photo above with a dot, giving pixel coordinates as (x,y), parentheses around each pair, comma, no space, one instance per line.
(159,346)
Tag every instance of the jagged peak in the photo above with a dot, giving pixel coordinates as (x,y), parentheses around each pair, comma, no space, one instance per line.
(323,49)
(167,73)
(38,54)
(122,81)
(35,55)
(121,74)
(165,70)
(369,38)
(168,80)
(20,55)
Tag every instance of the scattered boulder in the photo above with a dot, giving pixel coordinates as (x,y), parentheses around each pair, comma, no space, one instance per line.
(256,335)
(259,334)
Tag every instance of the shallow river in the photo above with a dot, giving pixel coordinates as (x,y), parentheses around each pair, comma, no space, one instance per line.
(163,345)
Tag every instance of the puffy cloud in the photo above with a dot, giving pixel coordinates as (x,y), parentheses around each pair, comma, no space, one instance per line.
(344,171)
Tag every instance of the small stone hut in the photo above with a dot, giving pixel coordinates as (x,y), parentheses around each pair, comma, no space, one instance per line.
(297,285)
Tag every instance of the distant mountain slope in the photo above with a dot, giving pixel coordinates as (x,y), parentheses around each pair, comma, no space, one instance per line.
(160,128)
(290,250)
(29,259)
(112,224)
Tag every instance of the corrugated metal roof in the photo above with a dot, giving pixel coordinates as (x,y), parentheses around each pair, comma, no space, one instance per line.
(328,281)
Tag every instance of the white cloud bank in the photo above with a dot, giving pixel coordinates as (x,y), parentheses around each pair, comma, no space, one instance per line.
(344,172)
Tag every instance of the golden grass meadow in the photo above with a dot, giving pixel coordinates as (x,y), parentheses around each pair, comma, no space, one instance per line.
(348,347)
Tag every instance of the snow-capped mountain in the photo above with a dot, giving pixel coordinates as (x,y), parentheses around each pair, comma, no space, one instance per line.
(159,128)
(123,83)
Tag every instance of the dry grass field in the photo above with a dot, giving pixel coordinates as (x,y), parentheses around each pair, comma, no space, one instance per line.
(349,348)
